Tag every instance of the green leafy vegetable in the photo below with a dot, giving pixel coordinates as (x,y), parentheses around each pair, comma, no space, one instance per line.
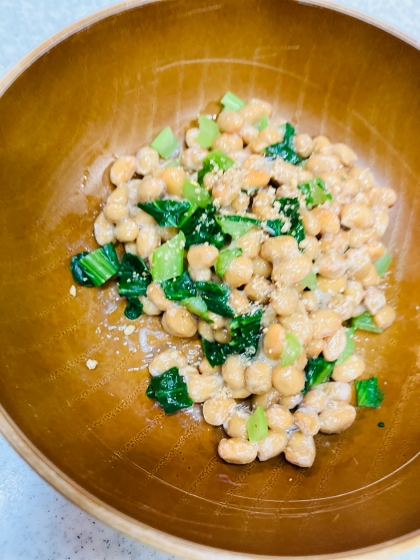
(196,194)
(216,297)
(202,227)
(292,349)
(365,322)
(315,192)
(309,281)
(262,123)
(179,288)
(133,276)
(168,259)
(170,390)
(134,308)
(165,143)
(198,306)
(257,426)
(318,371)
(245,332)
(208,131)
(368,393)
(100,265)
(236,226)
(79,275)
(232,102)
(167,213)
(273,227)
(349,348)
(215,159)
(224,259)
(290,209)
(382,264)
(215,352)
(286,148)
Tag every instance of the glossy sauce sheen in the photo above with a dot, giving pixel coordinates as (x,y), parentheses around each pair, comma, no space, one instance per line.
(97,426)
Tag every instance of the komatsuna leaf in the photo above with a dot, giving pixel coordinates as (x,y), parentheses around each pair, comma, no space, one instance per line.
(133,276)
(202,227)
(179,288)
(236,226)
(134,308)
(317,371)
(286,148)
(315,192)
(167,213)
(170,391)
(368,393)
(245,331)
(79,274)
(216,296)
(289,209)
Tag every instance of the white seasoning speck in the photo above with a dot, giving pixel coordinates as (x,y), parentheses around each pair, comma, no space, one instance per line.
(129,330)
(73,291)
(91,364)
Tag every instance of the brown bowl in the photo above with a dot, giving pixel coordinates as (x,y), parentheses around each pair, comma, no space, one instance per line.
(105,87)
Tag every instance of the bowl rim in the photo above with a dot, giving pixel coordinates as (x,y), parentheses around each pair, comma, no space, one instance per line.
(86,501)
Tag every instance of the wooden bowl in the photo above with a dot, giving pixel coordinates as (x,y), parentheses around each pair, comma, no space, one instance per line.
(105,87)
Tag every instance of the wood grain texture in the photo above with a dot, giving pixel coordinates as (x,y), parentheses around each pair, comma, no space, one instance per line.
(104,90)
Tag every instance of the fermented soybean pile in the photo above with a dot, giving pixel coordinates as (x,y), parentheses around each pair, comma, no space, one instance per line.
(266,244)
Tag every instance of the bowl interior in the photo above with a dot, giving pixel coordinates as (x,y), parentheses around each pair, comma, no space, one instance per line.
(105,91)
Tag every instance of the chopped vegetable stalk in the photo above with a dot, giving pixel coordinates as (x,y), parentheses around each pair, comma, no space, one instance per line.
(215,159)
(318,371)
(309,281)
(245,333)
(179,288)
(172,163)
(224,259)
(349,348)
(170,390)
(111,254)
(290,209)
(168,259)
(382,264)
(79,275)
(292,349)
(134,308)
(208,131)
(257,426)
(168,213)
(133,276)
(165,143)
(236,226)
(196,194)
(365,322)
(100,265)
(232,102)
(216,297)
(315,192)
(202,227)
(198,306)
(286,148)
(262,123)
(368,393)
